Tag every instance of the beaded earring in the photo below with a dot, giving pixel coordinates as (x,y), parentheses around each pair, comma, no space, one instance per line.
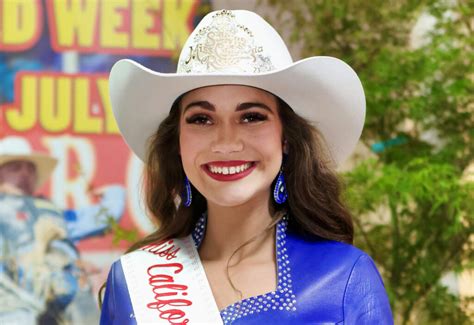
(187,195)
(279,193)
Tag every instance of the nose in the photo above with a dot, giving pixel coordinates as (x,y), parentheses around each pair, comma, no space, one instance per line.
(228,140)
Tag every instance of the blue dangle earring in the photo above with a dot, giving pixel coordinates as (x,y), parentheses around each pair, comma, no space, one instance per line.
(279,193)
(187,195)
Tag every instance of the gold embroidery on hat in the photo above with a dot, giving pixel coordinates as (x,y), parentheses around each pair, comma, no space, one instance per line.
(225,46)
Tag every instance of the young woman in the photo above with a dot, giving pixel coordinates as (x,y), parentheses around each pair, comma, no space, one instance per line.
(239,147)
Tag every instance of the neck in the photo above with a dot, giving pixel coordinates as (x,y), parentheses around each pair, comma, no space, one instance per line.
(228,228)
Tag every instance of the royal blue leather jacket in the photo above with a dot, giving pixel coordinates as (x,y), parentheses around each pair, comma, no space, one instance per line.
(318,282)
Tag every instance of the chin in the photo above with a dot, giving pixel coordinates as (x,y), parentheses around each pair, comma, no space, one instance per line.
(233,201)
(238,197)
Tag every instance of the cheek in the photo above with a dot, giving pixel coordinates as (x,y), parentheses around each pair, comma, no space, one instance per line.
(190,145)
(268,140)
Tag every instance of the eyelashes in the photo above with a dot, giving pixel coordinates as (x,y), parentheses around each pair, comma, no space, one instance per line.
(204,119)
(198,119)
(253,117)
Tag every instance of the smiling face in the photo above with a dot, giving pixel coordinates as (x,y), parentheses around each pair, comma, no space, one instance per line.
(230,142)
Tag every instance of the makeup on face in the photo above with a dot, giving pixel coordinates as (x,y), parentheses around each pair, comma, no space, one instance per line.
(230,141)
(229,170)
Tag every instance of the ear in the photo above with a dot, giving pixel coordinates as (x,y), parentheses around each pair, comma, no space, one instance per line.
(285,147)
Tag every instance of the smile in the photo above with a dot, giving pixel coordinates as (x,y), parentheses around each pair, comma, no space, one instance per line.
(229,170)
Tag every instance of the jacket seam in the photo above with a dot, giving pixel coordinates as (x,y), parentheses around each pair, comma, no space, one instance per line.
(346,288)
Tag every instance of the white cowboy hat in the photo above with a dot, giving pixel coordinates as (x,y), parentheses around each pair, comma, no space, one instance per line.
(240,47)
(15,148)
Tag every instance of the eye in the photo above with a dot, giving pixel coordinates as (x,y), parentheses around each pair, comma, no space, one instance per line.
(253,117)
(198,119)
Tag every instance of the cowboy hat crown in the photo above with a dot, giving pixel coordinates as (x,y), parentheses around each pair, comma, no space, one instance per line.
(239,47)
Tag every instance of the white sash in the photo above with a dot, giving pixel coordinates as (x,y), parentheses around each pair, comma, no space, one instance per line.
(168,285)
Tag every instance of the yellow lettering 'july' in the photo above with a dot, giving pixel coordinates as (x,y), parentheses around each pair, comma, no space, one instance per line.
(61,103)
(23,118)
(110,124)
(84,122)
(55,103)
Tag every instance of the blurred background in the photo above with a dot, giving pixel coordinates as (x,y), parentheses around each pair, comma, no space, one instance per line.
(410,183)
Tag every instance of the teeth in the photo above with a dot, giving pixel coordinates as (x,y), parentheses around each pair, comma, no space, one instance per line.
(229,170)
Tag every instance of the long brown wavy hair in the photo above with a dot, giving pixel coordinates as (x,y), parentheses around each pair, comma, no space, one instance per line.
(314,204)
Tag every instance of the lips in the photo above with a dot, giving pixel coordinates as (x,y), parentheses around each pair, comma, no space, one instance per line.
(229,170)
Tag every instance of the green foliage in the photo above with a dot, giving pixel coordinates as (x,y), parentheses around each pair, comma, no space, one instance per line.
(427,233)
(414,214)
(442,306)
(120,233)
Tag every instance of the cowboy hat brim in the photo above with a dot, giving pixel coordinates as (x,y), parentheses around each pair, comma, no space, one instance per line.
(44,164)
(324,90)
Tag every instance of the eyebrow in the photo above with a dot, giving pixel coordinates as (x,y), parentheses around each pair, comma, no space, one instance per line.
(241,107)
